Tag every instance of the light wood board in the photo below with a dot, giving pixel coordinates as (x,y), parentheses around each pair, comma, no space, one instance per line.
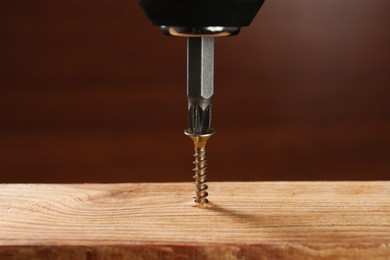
(246,220)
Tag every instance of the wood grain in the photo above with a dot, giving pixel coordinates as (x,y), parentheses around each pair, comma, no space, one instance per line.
(246,220)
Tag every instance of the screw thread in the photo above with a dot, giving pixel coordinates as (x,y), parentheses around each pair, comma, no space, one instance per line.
(200,175)
(200,165)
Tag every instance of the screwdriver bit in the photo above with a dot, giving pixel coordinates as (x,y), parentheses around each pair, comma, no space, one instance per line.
(200,83)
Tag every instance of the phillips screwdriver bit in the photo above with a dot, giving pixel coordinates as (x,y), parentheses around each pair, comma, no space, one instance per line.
(200,83)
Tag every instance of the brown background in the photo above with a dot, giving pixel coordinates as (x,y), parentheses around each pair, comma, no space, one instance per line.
(90,91)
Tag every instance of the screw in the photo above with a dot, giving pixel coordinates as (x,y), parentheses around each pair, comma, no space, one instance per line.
(200,162)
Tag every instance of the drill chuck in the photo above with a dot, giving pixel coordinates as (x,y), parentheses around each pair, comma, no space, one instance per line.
(194,18)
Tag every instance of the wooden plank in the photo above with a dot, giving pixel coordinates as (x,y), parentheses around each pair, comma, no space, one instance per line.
(245,220)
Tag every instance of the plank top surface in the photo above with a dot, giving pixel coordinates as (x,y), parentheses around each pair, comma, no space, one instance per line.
(251,213)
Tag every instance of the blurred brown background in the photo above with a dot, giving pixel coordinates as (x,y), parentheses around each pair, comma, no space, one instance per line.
(90,91)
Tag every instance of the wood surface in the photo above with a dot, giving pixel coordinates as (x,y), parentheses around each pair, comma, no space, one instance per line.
(245,220)
(91,91)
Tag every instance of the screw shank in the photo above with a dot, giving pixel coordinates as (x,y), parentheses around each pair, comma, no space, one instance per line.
(200,169)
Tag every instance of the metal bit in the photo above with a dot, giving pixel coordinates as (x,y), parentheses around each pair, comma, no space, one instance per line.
(200,89)
(200,83)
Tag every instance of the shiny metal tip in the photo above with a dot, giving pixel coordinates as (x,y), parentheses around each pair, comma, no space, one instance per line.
(206,31)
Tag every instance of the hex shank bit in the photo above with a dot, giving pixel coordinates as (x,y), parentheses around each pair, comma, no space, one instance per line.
(200,83)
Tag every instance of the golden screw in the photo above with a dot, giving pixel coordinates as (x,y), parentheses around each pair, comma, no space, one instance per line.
(200,162)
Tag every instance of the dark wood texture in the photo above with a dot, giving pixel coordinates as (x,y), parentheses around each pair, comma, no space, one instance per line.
(90,91)
(254,220)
